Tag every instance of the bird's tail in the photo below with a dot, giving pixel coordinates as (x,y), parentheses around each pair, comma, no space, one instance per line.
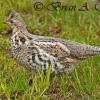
(92,50)
(82,51)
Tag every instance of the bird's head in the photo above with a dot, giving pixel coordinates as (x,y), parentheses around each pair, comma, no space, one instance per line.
(14,20)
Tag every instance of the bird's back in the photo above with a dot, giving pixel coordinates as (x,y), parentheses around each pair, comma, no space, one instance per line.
(78,50)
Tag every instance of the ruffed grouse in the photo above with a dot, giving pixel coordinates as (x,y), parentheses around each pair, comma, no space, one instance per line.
(35,52)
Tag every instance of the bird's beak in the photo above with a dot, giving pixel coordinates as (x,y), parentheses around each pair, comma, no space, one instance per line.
(4,22)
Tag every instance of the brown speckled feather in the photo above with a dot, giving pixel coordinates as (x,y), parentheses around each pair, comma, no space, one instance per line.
(32,51)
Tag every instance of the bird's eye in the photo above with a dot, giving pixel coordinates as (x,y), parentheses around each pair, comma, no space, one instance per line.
(11,21)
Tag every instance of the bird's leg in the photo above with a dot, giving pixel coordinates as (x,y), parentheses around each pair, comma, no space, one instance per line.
(44,69)
(34,74)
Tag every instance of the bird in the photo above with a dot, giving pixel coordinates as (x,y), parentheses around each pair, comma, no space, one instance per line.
(43,52)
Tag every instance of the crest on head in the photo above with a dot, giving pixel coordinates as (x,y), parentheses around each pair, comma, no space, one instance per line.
(15,20)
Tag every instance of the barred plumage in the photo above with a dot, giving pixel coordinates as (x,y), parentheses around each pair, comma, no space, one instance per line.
(32,50)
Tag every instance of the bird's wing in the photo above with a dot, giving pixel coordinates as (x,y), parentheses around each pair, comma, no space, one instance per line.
(60,52)
(57,50)
(77,50)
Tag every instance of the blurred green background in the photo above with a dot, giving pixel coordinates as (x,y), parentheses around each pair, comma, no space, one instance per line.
(80,26)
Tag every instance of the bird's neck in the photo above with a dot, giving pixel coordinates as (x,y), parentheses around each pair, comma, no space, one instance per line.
(19,30)
(19,37)
(22,34)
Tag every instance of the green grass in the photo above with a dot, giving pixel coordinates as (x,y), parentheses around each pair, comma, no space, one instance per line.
(84,27)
